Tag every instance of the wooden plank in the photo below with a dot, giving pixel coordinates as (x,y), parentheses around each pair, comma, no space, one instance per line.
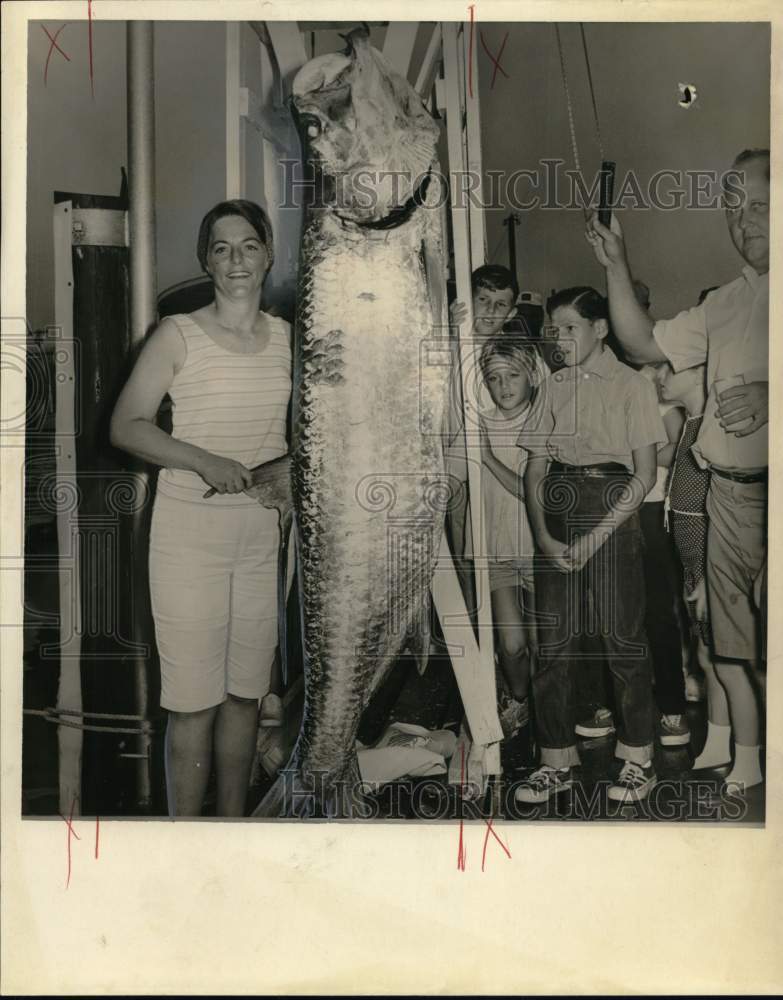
(472,669)
(288,47)
(398,45)
(429,67)
(478,228)
(463,267)
(69,690)
(270,123)
(483,682)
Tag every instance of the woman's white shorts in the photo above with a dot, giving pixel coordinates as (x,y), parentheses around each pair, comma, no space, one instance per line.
(213,584)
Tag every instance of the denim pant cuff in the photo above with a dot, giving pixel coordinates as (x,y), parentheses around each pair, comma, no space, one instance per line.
(636,755)
(560,756)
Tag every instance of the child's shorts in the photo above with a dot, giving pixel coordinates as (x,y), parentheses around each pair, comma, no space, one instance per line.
(213,584)
(511,574)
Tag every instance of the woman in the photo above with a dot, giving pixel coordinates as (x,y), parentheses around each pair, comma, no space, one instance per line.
(213,548)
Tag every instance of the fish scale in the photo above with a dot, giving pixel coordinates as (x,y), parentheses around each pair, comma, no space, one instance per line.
(369,286)
(366,466)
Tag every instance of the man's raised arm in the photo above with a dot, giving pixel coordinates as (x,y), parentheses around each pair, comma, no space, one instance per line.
(630,323)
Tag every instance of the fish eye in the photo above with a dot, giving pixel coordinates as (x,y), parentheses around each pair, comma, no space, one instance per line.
(311,125)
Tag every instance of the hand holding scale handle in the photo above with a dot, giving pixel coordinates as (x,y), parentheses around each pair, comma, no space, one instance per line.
(271,485)
(606,192)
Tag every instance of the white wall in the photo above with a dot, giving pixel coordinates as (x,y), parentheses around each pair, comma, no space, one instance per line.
(78,144)
(636,69)
(74,143)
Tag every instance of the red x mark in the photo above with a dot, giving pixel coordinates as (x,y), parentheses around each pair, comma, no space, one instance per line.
(495,60)
(71,833)
(52,47)
(491,830)
(462,854)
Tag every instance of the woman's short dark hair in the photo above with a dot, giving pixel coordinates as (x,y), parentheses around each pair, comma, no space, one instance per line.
(249,211)
(589,303)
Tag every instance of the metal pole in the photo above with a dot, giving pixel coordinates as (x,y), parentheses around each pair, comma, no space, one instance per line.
(141,169)
(511,222)
(143,315)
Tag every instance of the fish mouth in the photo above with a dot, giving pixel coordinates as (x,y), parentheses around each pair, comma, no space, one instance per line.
(399,215)
(366,132)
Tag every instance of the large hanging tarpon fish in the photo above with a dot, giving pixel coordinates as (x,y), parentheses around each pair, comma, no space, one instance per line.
(370,387)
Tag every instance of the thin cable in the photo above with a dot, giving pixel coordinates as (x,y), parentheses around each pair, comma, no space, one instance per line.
(571,127)
(496,246)
(592,92)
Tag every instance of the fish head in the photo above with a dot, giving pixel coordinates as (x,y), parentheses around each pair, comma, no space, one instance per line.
(365,129)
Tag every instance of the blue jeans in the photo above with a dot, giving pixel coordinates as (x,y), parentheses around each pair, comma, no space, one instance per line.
(604,600)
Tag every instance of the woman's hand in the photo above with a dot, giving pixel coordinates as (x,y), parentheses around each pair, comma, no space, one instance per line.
(224,475)
(698,598)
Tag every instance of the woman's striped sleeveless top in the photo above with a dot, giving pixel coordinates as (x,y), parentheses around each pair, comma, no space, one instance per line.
(234,405)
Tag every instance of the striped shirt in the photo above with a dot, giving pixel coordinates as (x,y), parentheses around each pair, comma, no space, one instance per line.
(233,405)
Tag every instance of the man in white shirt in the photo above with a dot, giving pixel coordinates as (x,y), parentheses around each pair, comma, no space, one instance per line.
(729,332)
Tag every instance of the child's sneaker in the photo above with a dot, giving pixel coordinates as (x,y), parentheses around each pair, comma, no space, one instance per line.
(633,783)
(673,731)
(544,783)
(600,723)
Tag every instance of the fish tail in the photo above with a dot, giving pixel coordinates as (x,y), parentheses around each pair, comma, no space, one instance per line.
(293,796)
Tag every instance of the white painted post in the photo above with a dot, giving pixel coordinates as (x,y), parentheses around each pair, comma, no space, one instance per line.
(429,67)
(453,54)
